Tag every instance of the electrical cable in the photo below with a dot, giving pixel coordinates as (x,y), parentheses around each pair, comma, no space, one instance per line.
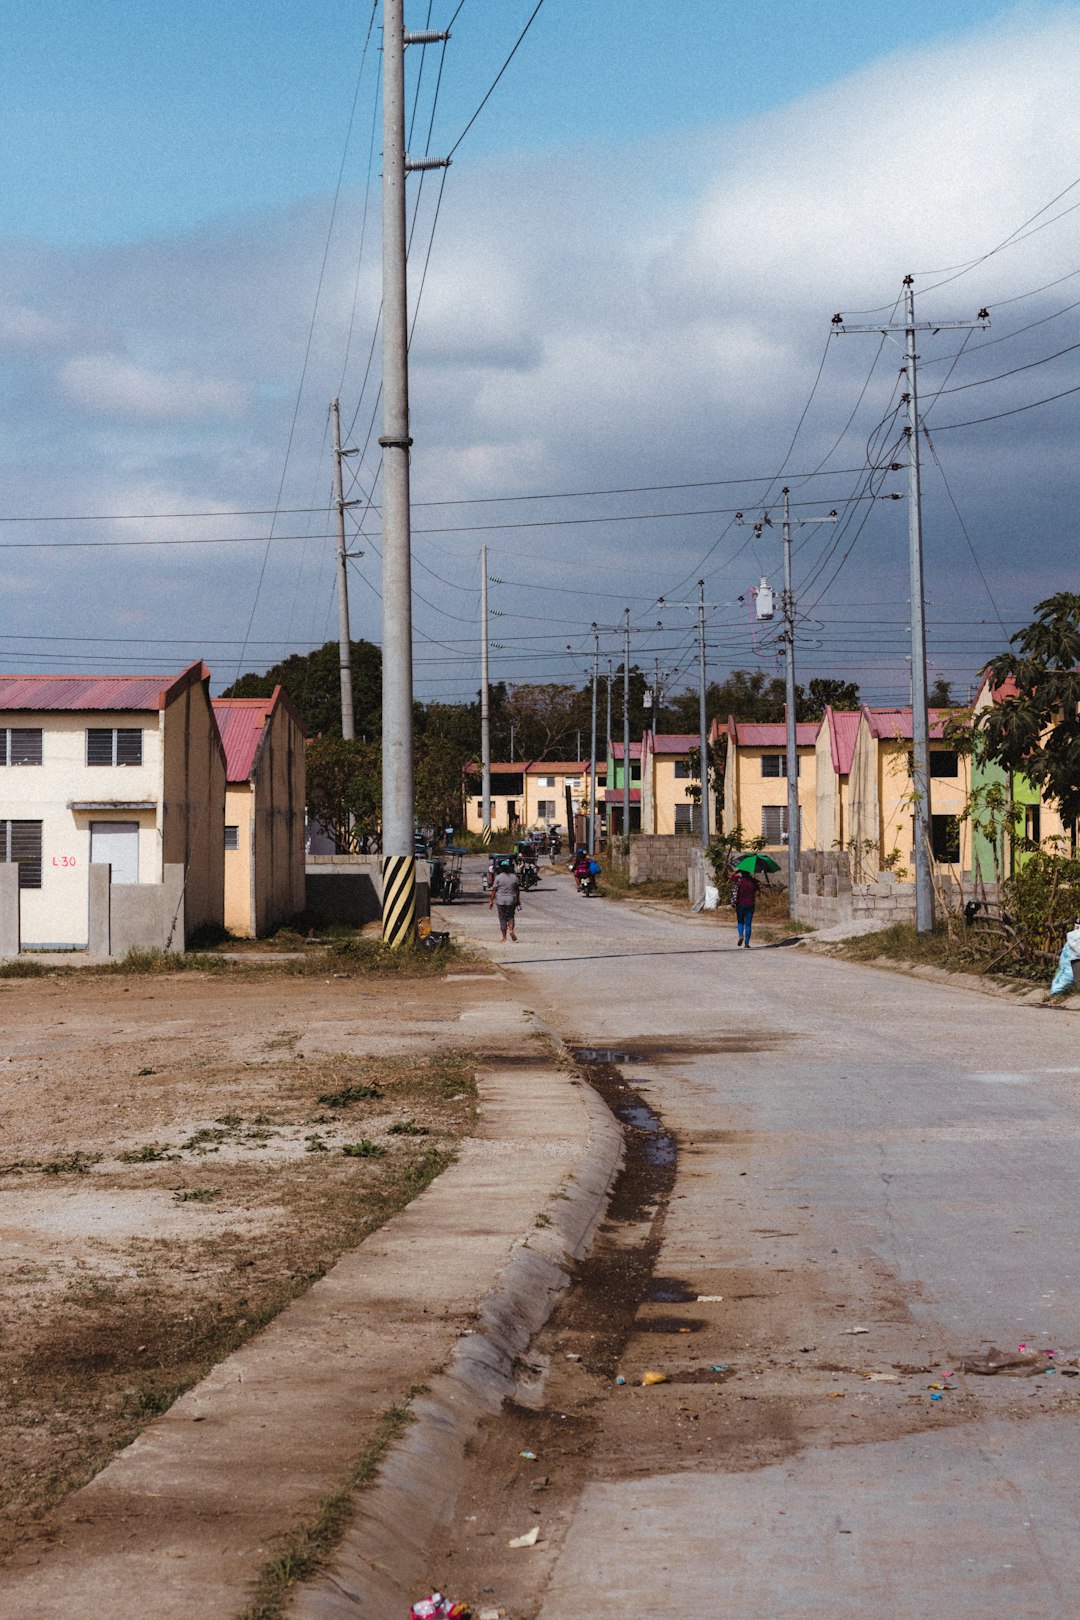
(498,76)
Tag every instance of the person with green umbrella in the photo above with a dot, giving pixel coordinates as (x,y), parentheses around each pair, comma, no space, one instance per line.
(745,891)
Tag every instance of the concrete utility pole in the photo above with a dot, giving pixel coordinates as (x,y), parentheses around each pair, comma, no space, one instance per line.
(794,820)
(398,810)
(703,731)
(348,727)
(592,751)
(626,725)
(485,706)
(610,673)
(920,723)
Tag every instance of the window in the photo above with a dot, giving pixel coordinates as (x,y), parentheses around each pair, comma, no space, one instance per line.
(635,770)
(776,765)
(774,823)
(21,841)
(113,746)
(232,837)
(683,773)
(1033,823)
(573,783)
(547,782)
(944,762)
(945,838)
(545,809)
(20,745)
(686,818)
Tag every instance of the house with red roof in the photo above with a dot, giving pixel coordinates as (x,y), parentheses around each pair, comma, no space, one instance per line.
(112,804)
(834,750)
(670,784)
(264,744)
(755,780)
(881,795)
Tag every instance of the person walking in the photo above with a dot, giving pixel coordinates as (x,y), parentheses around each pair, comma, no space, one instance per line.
(746,889)
(506,894)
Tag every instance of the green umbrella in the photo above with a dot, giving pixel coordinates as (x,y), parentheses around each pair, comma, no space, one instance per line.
(757,862)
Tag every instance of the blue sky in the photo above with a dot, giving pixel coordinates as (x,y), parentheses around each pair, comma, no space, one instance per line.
(639,247)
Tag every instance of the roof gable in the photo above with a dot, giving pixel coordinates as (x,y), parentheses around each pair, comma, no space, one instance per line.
(96,693)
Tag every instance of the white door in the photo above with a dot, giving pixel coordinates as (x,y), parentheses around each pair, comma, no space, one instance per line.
(117,842)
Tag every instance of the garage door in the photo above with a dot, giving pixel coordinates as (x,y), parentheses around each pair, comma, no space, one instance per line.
(116,842)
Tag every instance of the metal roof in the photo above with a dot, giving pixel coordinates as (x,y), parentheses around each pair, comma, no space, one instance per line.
(615,795)
(674,742)
(771,734)
(617,748)
(241,722)
(894,725)
(90,692)
(843,729)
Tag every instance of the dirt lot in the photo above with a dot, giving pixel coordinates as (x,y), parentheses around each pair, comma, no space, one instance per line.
(180,1156)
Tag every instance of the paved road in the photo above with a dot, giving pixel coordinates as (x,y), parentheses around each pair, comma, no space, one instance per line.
(858,1151)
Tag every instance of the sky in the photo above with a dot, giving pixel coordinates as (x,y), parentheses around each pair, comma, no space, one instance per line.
(622,292)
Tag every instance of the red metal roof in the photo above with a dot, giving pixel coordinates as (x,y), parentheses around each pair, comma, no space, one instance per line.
(94,692)
(241,722)
(559,767)
(615,795)
(616,750)
(843,729)
(674,742)
(894,725)
(771,734)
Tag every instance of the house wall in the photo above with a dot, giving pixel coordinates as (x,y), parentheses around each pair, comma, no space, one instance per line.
(579,793)
(829,792)
(277,880)
(193,803)
(948,796)
(239,813)
(58,913)
(667,790)
(747,792)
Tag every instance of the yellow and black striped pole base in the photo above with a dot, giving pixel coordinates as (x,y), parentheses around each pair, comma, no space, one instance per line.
(485,835)
(398,900)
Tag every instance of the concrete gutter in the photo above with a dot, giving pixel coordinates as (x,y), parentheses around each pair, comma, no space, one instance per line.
(183,1521)
(381,1566)
(1015,990)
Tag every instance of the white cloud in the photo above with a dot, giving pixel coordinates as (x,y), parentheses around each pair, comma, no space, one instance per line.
(107,385)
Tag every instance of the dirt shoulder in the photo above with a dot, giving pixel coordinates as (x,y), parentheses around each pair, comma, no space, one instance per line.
(181,1157)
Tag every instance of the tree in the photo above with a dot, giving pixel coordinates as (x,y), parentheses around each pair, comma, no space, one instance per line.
(827,692)
(344,791)
(940,694)
(313,682)
(1035,724)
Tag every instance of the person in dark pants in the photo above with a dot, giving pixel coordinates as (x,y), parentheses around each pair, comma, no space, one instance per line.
(506,894)
(747,889)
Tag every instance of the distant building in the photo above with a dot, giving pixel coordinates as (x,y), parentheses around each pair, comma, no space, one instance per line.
(531,794)
(755,780)
(614,785)
(881,790)
(118,776)
(667,779)
(264,811)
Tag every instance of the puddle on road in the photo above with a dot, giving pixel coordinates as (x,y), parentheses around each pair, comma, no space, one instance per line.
(659,1145)
(605,1054)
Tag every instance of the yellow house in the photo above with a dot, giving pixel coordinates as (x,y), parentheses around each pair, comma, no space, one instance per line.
(507,797)
(666,779)
(532,794)
(880,795)
(755,780)
(264,811)
(834,749)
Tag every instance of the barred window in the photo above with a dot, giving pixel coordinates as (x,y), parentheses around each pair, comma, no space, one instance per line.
(232,837)
(683,773)
(776,765)
(20,745)
(774,823)
(111,745)
(20,841)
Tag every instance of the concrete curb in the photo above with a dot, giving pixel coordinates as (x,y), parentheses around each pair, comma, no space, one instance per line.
(380,1566)
(1025,993)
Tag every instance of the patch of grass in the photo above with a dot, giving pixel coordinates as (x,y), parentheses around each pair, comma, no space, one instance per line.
(349,1094)
(22,967)
(196,1195)
(305,1548)
(231,1120)
(369,957)
(407,1127)
(206,1139)
(364,1149)
(315,1144)
(149,1153)
(73,1164)
(902,943)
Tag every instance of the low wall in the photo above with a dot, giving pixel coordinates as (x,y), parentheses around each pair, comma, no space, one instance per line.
(9,909)
(347,889)
(136,916)
(825,893)
(661,855)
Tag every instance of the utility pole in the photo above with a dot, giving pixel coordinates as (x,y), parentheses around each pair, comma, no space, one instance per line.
(920,720)
(610,672)
(592,750)
(626,727)
(398,805)
(485,706)
(703,733)
(348,727)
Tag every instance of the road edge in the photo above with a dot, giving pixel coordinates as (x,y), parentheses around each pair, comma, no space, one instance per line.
(379,1567)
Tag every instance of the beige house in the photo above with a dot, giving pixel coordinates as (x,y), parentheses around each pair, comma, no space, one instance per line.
(835,748)
(666,780)
(118,776)
(264,811)
(755,781)
(507,798)
(880,795)
(531,794)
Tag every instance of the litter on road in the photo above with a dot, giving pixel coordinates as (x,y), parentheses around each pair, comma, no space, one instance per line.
(436,1607)
(654,1378)
(529,1539)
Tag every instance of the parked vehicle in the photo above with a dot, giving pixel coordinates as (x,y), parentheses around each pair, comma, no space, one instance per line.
(451,884)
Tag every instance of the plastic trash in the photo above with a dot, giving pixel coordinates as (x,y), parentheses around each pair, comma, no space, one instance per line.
(852,1331)
(529,1456)
(437,1607)
(936,1397)
(620,1379)
(529,1539)
(709,1299)
(712,897)
(654,1378)
(1063,979)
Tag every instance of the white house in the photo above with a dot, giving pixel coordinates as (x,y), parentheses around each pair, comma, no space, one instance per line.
(119,772)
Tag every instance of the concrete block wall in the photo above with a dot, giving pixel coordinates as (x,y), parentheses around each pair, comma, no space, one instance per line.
(661,855)
(136,916)
(825,893)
